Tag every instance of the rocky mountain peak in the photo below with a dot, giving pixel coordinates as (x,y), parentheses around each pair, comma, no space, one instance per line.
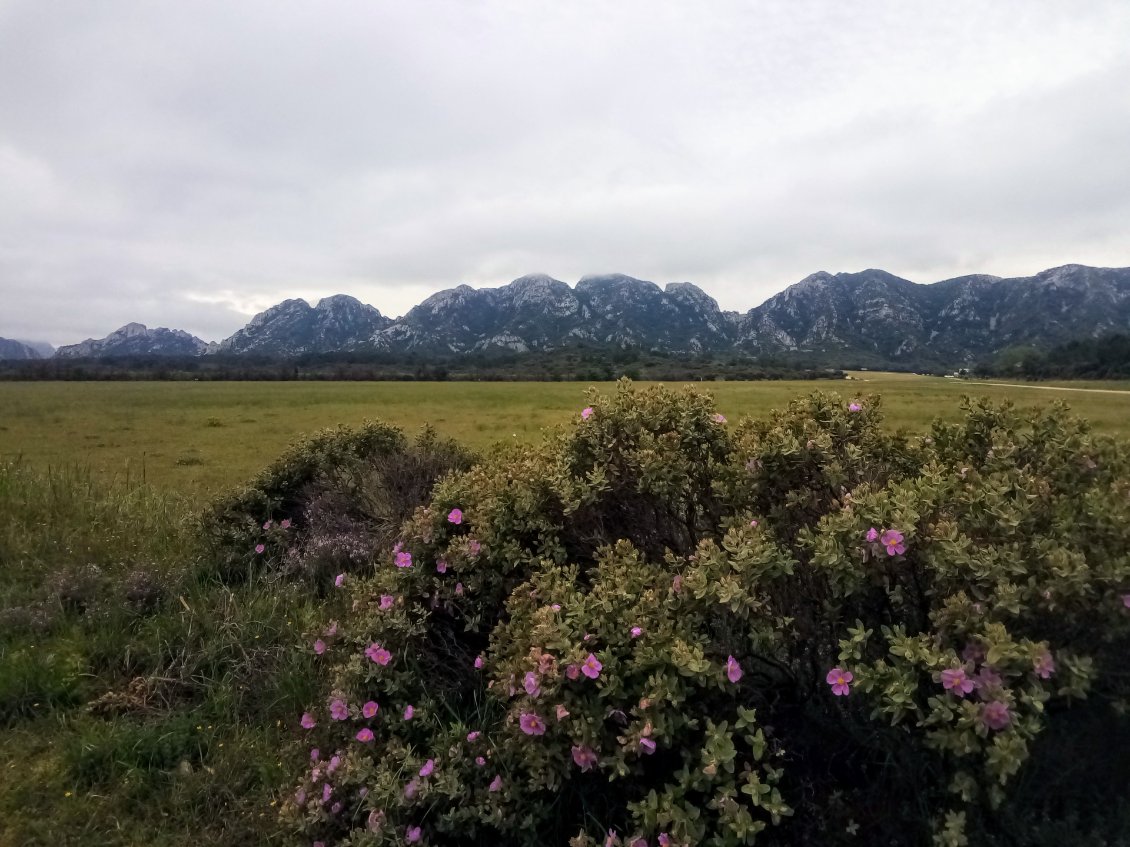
(136,339)
(870,316)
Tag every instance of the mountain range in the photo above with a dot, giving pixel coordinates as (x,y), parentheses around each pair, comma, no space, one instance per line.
(870,317)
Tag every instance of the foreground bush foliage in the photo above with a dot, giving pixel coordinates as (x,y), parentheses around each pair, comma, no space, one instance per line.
(658,628)
(321,507)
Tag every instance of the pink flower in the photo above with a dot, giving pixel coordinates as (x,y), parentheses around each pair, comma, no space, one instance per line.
(365,735)
(719,419)
(664,840)
(404,559)
(308,721)
(531,684)
(639,842)
(474,547)
(412,835)
(584,757)
(956,682)
(586,413)
(840,680)
(986,682)
(429,766)
(973,652)
(334,764)
(854,407)
(409,712)
(1126,600)
(386,602)
(327,792)
(259,548)
(319,647)
(458,589)
(455,516)
(478,663)
(267,525)
(480,761)
(315,754)
(339,580)
(362,792)
(411,788)
(495,784)
(636,632)
(338,710)
(677,583)
(733,669)
(441,566)
(378,654)
(300,797)
(556,607)
(572,671)
(472,736)
(285,523)
(562,712)
(893,541)
(592,667)
(647,746)
(531,724)
(370,709)
(995,715)
(752,524)
(1044,665)
(872,535)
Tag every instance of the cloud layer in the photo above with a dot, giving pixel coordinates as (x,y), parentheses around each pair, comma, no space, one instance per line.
(188,164)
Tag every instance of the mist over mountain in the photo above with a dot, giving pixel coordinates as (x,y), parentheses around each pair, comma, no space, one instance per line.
(871,316)
(11,349)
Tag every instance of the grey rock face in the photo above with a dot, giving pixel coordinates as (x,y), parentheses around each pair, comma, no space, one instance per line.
(871,313)
(294,327)
(136,339)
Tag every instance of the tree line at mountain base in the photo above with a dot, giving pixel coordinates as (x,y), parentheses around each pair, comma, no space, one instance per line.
(583,365)
(1089,358)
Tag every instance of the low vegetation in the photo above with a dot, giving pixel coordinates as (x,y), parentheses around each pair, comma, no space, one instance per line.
(1103,358)
(654,626)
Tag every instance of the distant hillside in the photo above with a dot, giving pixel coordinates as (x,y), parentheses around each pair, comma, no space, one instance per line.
(136,339)
(11,349)
(869,318)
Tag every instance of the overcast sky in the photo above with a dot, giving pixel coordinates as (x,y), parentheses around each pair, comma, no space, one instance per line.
(189,163)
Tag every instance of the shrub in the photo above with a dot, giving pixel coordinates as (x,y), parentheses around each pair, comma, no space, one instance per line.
(326,502)
(656,628)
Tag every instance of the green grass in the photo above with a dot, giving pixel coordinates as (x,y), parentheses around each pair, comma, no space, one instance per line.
(202,437)
(163,722)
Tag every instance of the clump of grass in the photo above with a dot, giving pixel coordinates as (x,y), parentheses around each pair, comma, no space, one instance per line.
(141,701)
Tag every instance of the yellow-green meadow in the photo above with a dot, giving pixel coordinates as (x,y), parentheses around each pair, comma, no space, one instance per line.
(202,437)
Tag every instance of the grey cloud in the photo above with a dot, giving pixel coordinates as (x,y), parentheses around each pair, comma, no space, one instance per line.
(185,164)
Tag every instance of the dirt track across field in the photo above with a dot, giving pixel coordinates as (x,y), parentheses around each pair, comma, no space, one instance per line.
(1049,387)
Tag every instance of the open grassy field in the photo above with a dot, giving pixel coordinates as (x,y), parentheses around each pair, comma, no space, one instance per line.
(201,437)
(146,701)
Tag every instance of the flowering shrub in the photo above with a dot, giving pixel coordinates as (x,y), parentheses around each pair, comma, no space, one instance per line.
(659,628)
